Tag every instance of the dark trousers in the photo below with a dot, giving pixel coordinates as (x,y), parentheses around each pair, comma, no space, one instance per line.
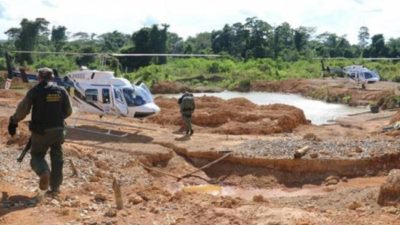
(53,139)
(187,120)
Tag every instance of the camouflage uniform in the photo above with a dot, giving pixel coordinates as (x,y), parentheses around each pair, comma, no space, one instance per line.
(186,114)
(50,106)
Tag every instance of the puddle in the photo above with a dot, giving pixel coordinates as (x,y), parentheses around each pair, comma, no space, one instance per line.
(210,189)
(249,193)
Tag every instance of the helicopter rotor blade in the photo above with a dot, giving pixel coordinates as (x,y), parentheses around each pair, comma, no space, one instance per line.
(161,54)
(366,59)
(119,54)
(58,53)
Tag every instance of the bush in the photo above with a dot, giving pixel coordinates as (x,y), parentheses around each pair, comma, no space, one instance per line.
(346,99)
(244,85)
(396,78)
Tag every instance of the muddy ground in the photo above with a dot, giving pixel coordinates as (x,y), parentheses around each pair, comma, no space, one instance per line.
(336,182)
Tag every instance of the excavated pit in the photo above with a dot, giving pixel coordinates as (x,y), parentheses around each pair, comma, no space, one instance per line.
(274,159)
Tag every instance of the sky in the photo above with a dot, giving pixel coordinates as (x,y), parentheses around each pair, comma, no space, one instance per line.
(189,17)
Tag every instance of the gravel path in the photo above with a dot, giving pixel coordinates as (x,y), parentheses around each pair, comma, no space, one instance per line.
(338,148)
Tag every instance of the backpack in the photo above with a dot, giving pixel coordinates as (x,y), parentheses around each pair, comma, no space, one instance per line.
(187,103)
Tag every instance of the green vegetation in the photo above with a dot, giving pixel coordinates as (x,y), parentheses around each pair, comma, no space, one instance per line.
(238,73)
(253,50)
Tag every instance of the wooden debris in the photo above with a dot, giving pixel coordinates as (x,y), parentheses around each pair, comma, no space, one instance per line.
(301,152)
(191,174)
(159,171)
(73,168)
(116,186)
(4,196)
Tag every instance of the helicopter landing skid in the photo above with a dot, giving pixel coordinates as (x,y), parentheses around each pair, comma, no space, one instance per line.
(108,133)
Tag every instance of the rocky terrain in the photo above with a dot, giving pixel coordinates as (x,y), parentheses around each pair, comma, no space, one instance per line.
(338,180)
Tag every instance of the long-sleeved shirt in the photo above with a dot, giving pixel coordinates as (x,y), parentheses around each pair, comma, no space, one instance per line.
(25,106)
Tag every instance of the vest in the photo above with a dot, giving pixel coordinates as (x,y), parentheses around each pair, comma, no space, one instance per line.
(48,107)
(187,103)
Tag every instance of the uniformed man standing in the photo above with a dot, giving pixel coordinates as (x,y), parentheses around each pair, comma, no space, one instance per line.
(187,107)
(50,106)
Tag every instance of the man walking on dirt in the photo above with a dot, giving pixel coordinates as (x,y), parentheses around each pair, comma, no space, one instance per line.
(187,107)
(50,106)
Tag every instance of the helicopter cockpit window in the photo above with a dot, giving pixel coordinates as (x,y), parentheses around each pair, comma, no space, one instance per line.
(143,91)
(368,75)
(131,98)
(106,95)
(117,94)
(91,95)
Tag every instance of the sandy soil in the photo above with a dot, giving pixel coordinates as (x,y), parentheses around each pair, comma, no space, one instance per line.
(336,182)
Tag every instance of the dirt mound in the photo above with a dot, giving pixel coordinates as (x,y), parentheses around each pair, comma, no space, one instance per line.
(20,139)
(9,94)
(390,191)
(395,118)
(234,116)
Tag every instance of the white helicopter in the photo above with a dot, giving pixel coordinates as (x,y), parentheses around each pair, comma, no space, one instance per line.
(357,73)
(361,74)
(100,92)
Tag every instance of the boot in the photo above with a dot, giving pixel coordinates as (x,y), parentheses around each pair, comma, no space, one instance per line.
(53,192)
(44,180)
(191,132)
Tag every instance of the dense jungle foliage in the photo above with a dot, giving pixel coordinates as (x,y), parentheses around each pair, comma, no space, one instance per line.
(252,50)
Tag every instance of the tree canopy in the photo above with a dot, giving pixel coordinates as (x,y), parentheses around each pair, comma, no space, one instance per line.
(251,39)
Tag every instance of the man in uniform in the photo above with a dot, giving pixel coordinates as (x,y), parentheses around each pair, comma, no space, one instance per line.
(187,107)
(50,106)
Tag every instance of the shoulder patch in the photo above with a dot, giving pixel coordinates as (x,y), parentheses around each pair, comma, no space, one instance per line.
(53,97)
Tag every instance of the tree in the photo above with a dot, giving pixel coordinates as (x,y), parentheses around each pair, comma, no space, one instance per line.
(162,47)
(26,37)
(301,37)
(147,40)
(283,39)
(175,44)
(222,40)
(58,37)
(201,43)
(259,43)
(377,48)
(333,45)
(85,60)
(393,47)
(363,37)
(81,36)
(113,41)
(13,33)
(240,39)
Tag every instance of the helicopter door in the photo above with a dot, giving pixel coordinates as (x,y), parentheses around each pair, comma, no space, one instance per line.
(119,102)
(105,94)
